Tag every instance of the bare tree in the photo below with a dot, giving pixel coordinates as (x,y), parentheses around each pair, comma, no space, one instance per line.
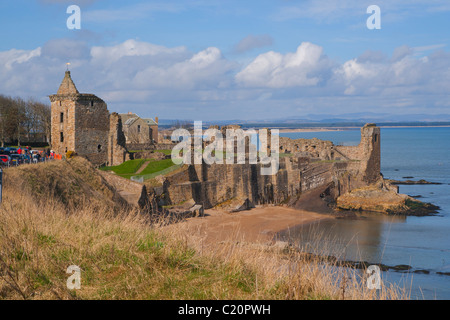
(43,124)
(20,118)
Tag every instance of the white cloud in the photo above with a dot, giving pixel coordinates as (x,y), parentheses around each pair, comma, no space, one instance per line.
(206,68)
(305,67)
(171,82)
(8,58)
(404,74)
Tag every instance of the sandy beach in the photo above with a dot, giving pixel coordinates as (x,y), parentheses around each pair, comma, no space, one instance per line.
(258,225)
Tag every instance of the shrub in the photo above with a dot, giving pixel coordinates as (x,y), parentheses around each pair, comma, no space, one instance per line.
(70,154)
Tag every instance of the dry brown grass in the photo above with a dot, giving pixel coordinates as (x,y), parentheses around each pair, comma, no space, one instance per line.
(122,256)
(287,271)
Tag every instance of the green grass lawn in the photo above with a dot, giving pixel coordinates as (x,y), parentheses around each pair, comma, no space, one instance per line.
(129,168)
(155,166)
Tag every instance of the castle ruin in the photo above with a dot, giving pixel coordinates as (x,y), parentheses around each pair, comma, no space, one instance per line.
(81,123)
(309,165)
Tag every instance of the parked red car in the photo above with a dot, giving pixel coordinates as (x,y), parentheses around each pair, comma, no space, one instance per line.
(5,159)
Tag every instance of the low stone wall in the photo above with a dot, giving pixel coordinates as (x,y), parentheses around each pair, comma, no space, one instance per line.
(150,146)
(150,155)
(349,152)
(314,148)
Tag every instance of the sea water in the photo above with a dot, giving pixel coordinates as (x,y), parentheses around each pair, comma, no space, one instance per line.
(421,242)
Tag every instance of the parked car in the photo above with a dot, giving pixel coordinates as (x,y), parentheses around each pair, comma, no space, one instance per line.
(11,150)
(5,159)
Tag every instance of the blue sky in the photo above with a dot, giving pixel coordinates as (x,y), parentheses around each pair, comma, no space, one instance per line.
(217,59)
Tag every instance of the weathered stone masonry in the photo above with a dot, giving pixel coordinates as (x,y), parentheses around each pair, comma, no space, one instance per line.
(117,153)
(333,168)
(81,123)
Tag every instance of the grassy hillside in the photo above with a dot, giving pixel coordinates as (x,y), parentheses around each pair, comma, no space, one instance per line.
(73,183)
(121,257)
(60,214)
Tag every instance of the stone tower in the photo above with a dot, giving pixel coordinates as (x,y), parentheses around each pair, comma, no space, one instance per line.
(80,123)
(370,152)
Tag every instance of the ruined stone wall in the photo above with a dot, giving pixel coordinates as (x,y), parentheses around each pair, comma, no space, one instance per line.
(150,146)
(367,153)
(370,148)
(92,129)
(155,135)
(313,148)
(179,177)
(339,170)
(316,175)
(117,152)
(347,176)
(211,185)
